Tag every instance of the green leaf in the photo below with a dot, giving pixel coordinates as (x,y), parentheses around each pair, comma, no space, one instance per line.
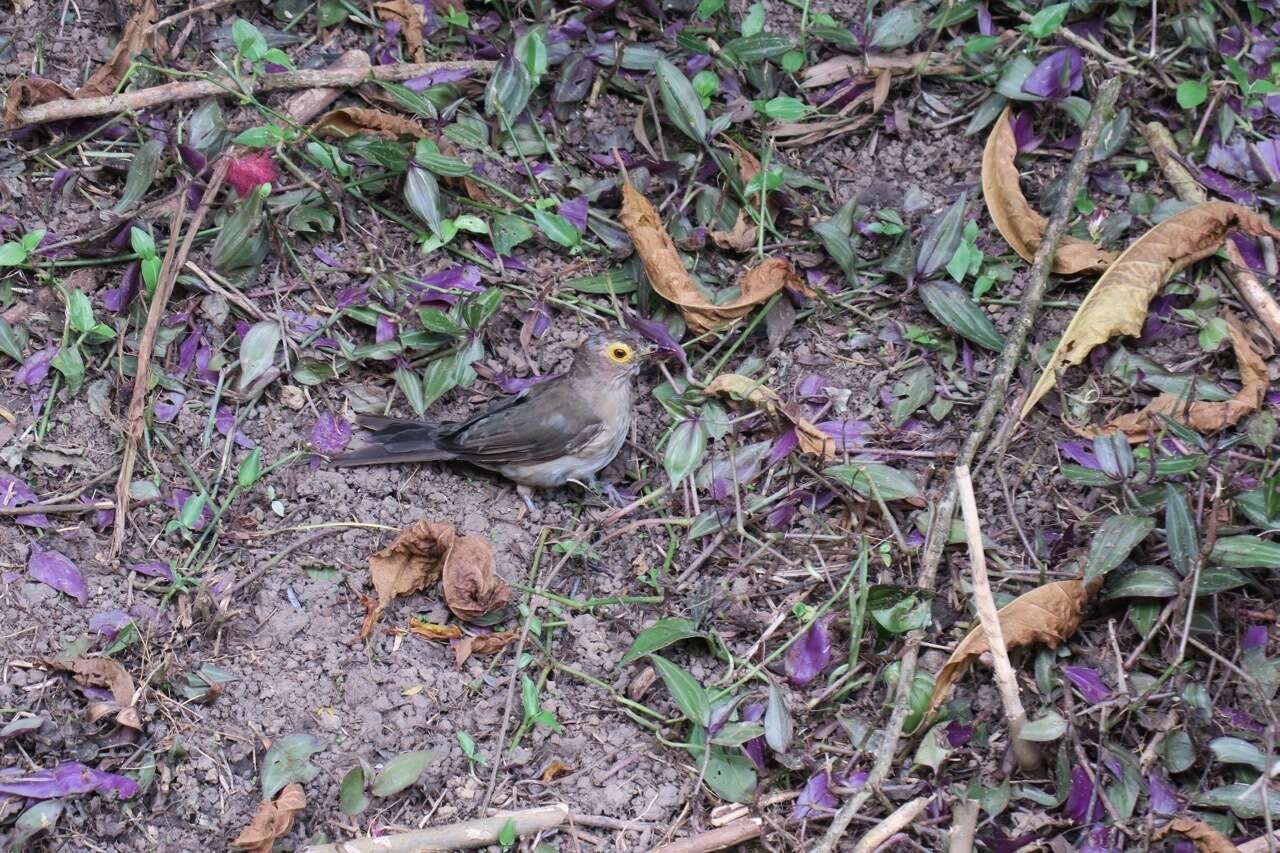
(1245,552)
(1233,750)
(507,835)
(276,56)
(896,611)
(951,306)
(730,774)
(934,748)
(401,772)
(898,27)
(707,8)
(792,61)
(422,195)
(288,761)
(892,484)
(250,469)
(41,816)
(1144,582)
(681,102)
(9,344)
(942,238)
(753,23)
(410,385)
(476,312)
(785,108)
(80,312)
(556,228)
(754,49)
(1050,727)
(1178,752)
(615,281)
(258,351)
(142,171)
(659,635)
(1180,530)
(352,798)
(142,242)
(12,254)
(688,694)
(736,734)
(70,364)
(509,231)
(1245,801)
(509,88)
(1046,22)
(779,729)
(1113,541)
(249,41)
(685,449)
(435,320)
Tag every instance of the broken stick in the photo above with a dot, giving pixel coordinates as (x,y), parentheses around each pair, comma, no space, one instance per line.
(467,835)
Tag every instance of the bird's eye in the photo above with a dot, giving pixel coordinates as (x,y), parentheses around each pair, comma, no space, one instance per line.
(619,353)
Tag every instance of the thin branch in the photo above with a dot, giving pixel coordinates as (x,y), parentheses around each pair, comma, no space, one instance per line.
(993,404)
(898,820)
(186,90)
(727,836)
(1029,758)
(467,835)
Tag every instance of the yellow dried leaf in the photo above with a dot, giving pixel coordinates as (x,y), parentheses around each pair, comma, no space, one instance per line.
(1048,614)
(353,121)
(432,631)
(668,276)
(1020,225)
(486,644)
(409,17)
(272,820)
(1117,304)
(1206,838)
(1202,416)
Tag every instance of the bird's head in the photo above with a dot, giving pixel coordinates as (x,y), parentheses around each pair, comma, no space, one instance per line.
(615,353)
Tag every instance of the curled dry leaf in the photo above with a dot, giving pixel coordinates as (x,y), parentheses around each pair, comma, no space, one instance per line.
(1206,838)
(272,821)
(668,276)
(135,38)
(1203,417)
(555,769)
(810,439)
(1117,304)
(1020,225)
(742,236)
(411,22)
(432,631)
(107,673)
(843,67)
(414,561)
(1048,614)
(485,645)
(471,584)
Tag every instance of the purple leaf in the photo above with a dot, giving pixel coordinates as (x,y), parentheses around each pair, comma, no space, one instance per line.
(225,421)
(435,78)
(15,492)
(1251,252)
(34,370)
(845,433)
(385,330)
(1081,797)
(1088,682)
(108,624)
(1163,796)
(168,406)
(657,333)
(57,570)
(1078,453)
(118,298)
(808,656)
(1265,158)
(536,321)
(60,179)
(1057,76)
(576,212)
(810,388)
(330,261)
(65,780)
(782,516)
(985,25)
(783,446)
(1096,840)
(1255,637)
(486,251)
(154,570)
(1024,134)
(1223,186)
(754,748)
(330,435)
(816,797)
(1233,159)
(958,734)
(465,278)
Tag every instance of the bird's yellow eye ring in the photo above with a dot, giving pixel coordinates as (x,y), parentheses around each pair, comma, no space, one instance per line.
(619,353)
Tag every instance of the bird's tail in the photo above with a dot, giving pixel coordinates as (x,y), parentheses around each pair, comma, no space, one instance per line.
(394,441)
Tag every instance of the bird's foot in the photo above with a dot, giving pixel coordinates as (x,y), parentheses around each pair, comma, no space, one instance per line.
(526,495)
(608,491)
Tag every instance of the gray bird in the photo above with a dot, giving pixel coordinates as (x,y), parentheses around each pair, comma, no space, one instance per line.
(565,429)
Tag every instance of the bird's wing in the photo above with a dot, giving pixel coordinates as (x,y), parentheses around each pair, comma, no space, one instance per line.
(547,422)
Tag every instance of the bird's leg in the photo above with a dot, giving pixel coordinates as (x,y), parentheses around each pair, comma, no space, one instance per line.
(608,490)
(526,495)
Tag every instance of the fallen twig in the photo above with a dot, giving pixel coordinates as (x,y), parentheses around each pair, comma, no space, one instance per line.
(1252,291)
(716,839)
(467,835)
(186,90)
(897,821)
(964,826)
(993,404)
(66,509)
(174,258)
(1029,758)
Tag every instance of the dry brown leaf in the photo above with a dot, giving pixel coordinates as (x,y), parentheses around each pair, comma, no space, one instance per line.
(104,672)
(668,276)
(30,92)
(1048,614)
(487,644)
(411,22)
(471,584)
(1203,417)
(810,439)
(432,631)
(136,38)
(1206,838)
(272,821)
(555,769)
(414,561)
(353,121)
(1020,225)
(881,92)
(1117,304)
(742,236)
